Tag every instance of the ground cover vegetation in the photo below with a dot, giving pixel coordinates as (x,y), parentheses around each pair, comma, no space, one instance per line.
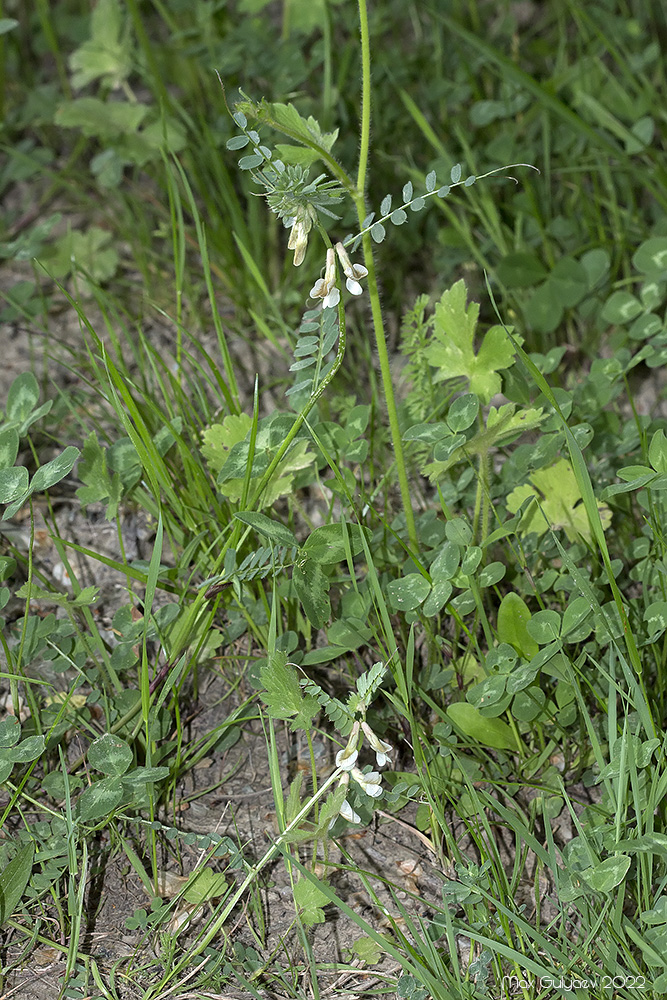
(348,480)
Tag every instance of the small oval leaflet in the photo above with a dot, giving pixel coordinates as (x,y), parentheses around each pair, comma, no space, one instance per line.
(430,181)
(378,232)
(407,191)
(385,207)
(237,142)
(240,119)
(250,162)
(455,173)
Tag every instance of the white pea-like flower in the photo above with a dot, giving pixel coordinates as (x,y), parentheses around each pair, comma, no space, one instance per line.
(325,288)
(298,238)
(348,813)
(382,749)
(347,757)
(353,272)
(371,782)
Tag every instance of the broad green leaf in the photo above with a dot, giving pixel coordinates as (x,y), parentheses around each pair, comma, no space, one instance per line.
(621,307)
(312,589)
(570,281)
(543,310)
(596,264)
(55,470)
(326,544)
(92,252)
(651,257)
(13,484)
(544,626)
(650,843)
(25,751)
(491,574)
(436,600)
(489,732)
(575,614)
(459,531)
(451,349)
(408,593)
(487,692)
(560,505)
(205,884)
(286,119)
(655,617)
(100,119)
(300,155)
(463,412)
(110,755)
(9,447)
(521,270)
(607,875)
(349,632)
(99,799)
(513,618)
(367,950)
(7,567)
(266,526)
(141,775)
(446,563)
(13,881)
(657,451)
(108,51)
(528,704)
(22,397)
(99,484)
(310,902)
(10,731)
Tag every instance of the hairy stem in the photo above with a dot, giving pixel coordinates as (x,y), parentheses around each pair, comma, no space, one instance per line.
(376,308)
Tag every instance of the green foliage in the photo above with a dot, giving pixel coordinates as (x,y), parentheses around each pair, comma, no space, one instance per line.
(13,881)
(516,593)
(226,449)
(451,349)
(560,503)
(283,696)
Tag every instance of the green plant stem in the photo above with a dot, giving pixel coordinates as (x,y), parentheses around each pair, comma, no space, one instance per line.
(219,922)
(303,413)
(376,308)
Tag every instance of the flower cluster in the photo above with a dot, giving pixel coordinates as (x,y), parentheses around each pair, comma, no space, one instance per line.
(326,289)
(346,759)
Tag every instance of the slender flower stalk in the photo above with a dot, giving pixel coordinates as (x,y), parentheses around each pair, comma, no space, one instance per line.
(376,308)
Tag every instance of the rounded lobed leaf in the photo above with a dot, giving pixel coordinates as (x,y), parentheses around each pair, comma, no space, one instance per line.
(110,755)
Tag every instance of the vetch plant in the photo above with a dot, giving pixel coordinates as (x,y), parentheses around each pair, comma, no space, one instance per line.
(299,203)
